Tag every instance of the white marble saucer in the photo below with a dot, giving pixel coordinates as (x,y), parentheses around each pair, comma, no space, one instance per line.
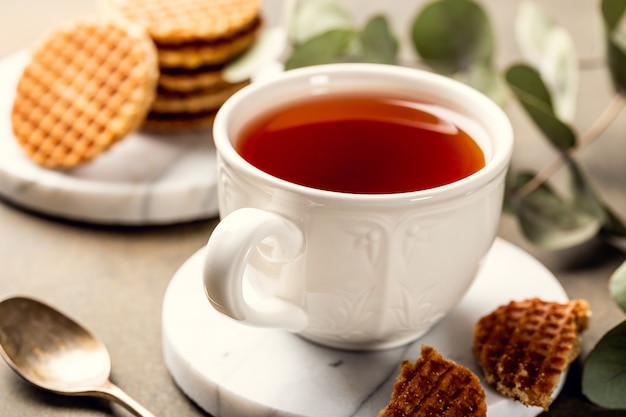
(145,179)
(232,370)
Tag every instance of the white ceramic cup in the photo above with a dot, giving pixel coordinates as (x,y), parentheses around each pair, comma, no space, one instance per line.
(351,271)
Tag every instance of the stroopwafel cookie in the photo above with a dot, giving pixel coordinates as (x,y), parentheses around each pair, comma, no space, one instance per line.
(195,40)
(194,101)
(435,386)
(179,122)
(525,346)
(183,80)
(211,52)
(87,85)
(180,21)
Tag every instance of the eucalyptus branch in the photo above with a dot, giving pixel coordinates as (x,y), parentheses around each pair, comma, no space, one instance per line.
(616,104)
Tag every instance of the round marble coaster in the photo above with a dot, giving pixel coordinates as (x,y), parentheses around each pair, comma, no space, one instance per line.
(145,179)
(232,370)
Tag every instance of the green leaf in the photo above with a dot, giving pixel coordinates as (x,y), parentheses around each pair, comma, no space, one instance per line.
(532,93)
(527,80)
(617,285)
(312,18)
(613,225)
(617,63)
(559,69)
(453,35)
(587,199)
(268,47)
(549,48)
(549,221)
(378,43)
(487,80)
(584,195)
(612,12)
(511,186)
(604,372)
(321,49)
(532,28)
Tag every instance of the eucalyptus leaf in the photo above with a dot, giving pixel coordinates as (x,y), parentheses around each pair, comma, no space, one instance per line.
(559,69)
(312,18)
(615,29)
(487,80)
(267,49)
(549,221)
(532,28)
(321,49)
(550,48)
(585,196)
(527,85)
(378,43)
(613,225)
(511,187)
(617,285)
(587,199)
(453,35)
(616,57)
(612,12)
(604,371)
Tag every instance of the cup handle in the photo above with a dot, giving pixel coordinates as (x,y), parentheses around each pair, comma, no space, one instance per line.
(227,253)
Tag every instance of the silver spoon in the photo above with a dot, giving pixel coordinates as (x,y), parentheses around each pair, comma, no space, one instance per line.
(54,352)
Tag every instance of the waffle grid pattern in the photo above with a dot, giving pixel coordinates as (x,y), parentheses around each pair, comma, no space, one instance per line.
(435,386)
(85,88)
(175,21)
(525,346)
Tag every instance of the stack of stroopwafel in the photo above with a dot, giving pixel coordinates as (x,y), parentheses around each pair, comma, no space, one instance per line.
(87,85)
(524,347)
(195,40)
(435,386)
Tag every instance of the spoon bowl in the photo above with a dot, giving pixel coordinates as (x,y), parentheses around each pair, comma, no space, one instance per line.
(53,352)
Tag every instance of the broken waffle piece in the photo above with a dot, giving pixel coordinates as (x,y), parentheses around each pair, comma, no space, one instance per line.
(87,86)
(525,346)
(435,386)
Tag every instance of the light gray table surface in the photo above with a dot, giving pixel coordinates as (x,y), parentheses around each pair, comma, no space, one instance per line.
(113,278)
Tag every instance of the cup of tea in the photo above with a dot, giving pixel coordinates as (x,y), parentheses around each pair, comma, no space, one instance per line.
(356,201)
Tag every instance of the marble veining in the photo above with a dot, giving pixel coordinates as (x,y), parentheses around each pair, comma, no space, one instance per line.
(233,370)
(146,178)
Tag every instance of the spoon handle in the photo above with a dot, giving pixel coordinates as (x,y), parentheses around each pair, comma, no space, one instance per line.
(113,392)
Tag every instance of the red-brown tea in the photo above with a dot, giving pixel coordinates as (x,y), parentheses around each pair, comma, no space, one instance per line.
(360,143)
